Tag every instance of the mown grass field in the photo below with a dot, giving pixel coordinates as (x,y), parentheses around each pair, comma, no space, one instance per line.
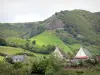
(49,37)
(10,50)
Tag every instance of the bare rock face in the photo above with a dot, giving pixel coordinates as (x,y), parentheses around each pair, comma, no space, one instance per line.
(54,23)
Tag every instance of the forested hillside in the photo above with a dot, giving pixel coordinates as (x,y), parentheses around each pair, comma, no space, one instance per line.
(21,30)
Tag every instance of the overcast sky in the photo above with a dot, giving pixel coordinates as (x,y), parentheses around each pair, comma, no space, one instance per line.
(36,10)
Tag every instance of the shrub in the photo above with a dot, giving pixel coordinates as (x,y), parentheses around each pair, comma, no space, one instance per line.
(18,65)
(9,60)
(2,54)
(79,72)
(28,54)
(47,66)
(49,70)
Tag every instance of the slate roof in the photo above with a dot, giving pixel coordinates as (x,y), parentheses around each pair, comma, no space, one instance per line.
(18,58)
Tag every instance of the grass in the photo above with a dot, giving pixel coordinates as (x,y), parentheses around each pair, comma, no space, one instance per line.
(83,71)
(74,47)
(1,58)
(15,40)
(10,50)
(91,73)
(49,37)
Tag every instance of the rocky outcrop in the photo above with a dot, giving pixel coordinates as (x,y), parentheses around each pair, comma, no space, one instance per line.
(53,23)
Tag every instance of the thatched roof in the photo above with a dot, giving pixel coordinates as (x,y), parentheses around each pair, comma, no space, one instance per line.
(83,54)
(60,53)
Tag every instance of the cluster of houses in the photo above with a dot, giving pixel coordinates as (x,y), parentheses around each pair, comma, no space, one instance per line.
(81,54)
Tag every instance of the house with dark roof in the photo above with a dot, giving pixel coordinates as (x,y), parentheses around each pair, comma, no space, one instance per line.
(18,58)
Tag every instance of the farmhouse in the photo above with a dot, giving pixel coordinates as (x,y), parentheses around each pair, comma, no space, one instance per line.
(82,54)
(18,58)
(15,58)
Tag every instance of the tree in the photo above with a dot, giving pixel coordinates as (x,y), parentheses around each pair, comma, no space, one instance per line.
(34,42)
(47,66)
(9,60)
(49,70)
(2,42)
(27,46)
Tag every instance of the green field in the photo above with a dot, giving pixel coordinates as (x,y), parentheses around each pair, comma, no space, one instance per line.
(49,37)
(10,50)
(15,40)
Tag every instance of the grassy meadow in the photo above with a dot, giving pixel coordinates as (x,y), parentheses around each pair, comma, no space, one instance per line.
(13,51)
(49,37)
(16,40)
(10,50)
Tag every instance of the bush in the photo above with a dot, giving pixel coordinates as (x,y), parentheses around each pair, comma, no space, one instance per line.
(48,66)
(5,68)
(27,54)
(49,70)
(44,49)
(91,62)
(18,65)
(79,72)
(2,54)
(9,60)
(39,67)
(14,69)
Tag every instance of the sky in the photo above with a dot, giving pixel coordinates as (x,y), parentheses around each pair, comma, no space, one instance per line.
(39,10)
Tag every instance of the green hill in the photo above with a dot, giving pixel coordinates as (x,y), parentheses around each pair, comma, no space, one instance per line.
(76,26)
(50,37)
(65,27)
(77,23)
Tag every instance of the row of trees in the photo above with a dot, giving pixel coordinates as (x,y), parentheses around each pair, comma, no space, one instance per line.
(44,49)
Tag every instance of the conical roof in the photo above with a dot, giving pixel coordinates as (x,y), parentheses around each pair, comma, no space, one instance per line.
(58,52)
(83,54)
